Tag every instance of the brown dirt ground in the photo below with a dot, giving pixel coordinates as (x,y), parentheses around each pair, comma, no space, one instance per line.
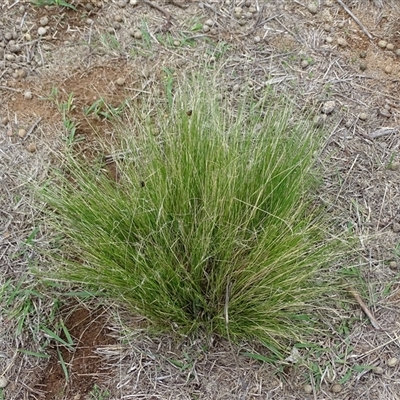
(92,54)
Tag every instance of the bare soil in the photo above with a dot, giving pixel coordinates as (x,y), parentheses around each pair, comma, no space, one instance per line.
(116,51)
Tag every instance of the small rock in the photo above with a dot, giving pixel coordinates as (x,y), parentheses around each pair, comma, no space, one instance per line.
(209,22)
(28,95)
(382,44)
(21,133)
(304,64)
(363,65)
(329,39)
(42,31)
(133,3)
(392,362)
(363,116)
(138,35)
(177,43)
(340,24)
(238,10)
(336,388)
(236,88)
(10,57)
(27,37)
(348,124)
(319,120)
(248,15)
(328,3)
(5,120)
(388,69)
(31,147)
(8,35)
(116,25)
(397,52)
(384,113)
(390,46)
(3,382)
(206,28)
(327,28)
(307,389)
(89,21)
(120,81)
(378,370)
(22,73)
(44,21)
(328,107)
(342,42)
(312,8)
(252,9)
(122,3)
(242,22)
(363,54)
(396,227)
(393,265)
(257,39)
(118,18)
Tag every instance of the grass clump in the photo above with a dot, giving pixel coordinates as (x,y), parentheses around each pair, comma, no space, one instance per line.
(212,223)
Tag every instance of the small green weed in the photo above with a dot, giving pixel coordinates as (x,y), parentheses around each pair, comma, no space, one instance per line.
(61,3)
(101,108)
(99,394)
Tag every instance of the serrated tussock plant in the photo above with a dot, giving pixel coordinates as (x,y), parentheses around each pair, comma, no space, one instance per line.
(212,224)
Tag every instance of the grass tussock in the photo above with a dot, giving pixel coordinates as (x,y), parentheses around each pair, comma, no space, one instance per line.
(211,225)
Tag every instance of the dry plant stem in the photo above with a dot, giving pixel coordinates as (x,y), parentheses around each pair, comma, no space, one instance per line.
(365,308)
(364,29)
(158,8)
(32,128)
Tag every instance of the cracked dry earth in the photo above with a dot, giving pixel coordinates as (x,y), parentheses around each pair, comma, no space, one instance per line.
(340,59)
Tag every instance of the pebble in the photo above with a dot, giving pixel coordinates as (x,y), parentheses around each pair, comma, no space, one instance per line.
(393,264)
(382,44)
(342,42)
(329,39)
(392,362)
(397,52)
(137,35)
(206,28)
(327,28)
(122,3)
(307,389)
(42,31)
(340,24)
(8,35)
(252,9)
(116,25)
(363,116)
(390,46)
(21,133)
(10,57)
(118,18)
(336,388)
(363,65)
(3,382)
(120,81)
(235,88)
(5,120)
(27,37)
(28,95)
(31,147)
(363,54)
(242,22)
(384,113)
(238,10)
(388,69)
(319,120)
(396,227)
(312,8)
(257,39)
(209,22)
(378,370)
(304,64)
(177,43)
(133,3)
(43,21)
(348,124)
(328,107)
